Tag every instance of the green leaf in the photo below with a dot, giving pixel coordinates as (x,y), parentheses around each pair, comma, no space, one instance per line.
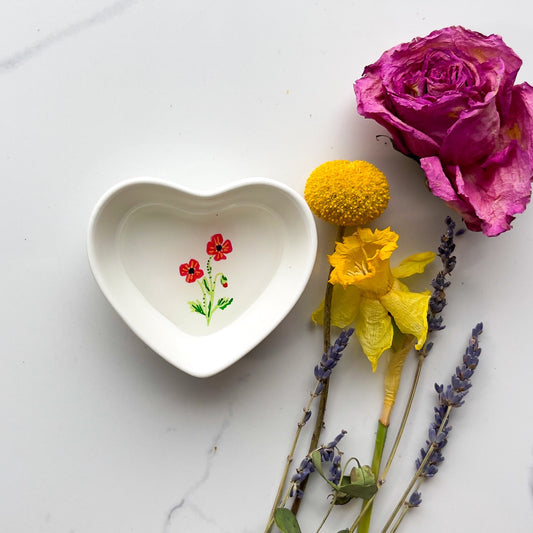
(344,531)
(362,483)
(359,491)
(206,285)
(317,462)
(197,307)
(286,520)
(224,302)
(342,498)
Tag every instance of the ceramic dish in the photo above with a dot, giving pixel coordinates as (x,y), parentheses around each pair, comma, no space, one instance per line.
(202,277)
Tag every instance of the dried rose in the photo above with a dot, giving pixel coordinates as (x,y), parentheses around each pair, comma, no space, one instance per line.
(449,100)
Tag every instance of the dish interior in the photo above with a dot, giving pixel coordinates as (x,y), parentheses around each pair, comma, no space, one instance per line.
(156,239)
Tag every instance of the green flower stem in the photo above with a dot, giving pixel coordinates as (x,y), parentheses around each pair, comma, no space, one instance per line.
(418,473)
(367,505)
(362,513)
(381,436)
(319,422)
(331,506)
(400,518)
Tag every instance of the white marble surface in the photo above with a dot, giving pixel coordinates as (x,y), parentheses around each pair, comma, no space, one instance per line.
(99,433)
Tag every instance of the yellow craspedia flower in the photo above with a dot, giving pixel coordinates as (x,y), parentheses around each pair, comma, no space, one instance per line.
(347,193)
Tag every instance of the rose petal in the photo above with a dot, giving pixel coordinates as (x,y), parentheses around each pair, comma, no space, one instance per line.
(372,103)
(440,186)
(499,189)
(519,123)
(478,128)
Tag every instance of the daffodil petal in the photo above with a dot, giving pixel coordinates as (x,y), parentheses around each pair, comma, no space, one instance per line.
(374,329)
(344,307)
(317,316)
(409,310)
(414,264)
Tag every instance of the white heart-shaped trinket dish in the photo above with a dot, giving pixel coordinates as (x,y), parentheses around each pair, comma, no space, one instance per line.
(202,277)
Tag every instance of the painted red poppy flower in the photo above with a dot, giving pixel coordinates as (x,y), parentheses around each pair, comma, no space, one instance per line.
(191,271)
(218,247)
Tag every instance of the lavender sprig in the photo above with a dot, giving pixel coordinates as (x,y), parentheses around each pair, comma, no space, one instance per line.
(437,301)
(322,373)
(451,397)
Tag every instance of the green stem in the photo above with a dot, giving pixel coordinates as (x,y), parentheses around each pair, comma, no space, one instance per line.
(319,422)
(421,358)
(400,518)
(211,292)
(381,435)
(331,506)
(362,513)
(405,509)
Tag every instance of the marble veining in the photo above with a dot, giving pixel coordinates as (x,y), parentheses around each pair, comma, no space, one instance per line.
(104,15)
(185,506)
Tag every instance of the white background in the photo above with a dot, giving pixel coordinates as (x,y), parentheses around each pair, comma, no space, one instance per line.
(99,434)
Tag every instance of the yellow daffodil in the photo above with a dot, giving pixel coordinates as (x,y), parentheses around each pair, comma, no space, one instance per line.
(368,291)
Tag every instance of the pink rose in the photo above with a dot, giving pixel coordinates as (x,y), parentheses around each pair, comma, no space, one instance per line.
(449,100)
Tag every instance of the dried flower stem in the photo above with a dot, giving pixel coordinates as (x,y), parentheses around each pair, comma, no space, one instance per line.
(330,508)
(419,471)
(322,372)
(290,457)
(319,422)
(406,507)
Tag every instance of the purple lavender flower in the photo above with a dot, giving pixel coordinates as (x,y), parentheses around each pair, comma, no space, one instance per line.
(330,359)
(302,473)
(437,302)
(450,397)
(328,454)
(414,500)
(324,369)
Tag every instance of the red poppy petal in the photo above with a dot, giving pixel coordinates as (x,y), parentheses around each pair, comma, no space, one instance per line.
(217,239)
(226,247)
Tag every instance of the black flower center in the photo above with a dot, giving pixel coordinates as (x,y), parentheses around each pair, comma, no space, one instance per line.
(191,270)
